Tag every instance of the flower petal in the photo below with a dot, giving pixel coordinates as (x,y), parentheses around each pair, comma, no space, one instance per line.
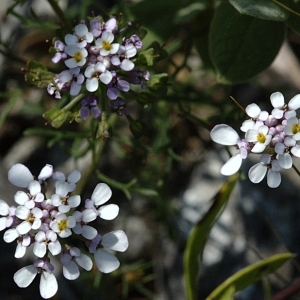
(115,240)
(84,261)
(105,261)
(108,212)
(101,194)
(257,173)
(273,179)
(232,165)
(71,271)
(48,285)
(19,175)
(277,100)
(224,135)
(25,276)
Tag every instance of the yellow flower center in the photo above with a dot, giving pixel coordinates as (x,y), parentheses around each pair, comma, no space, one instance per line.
(295,128)
(261,138)
(62,225)
(30,219)
(77,56)
(106,45)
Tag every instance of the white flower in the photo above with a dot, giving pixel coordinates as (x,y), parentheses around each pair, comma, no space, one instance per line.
(46,240)
(20,176)
(280,109)
(72,179)
(62,200)
(121,58)
(105,261)
(101,195)
(105,44)
(81,227)
(71,259)
(32,219)
(62,225)
(81,37)
(78,56)
(48,284)
(7,214)
(94,73)
(226,135)
(284,151)
(259,137)
(258,171)
(293,128)
(28,200)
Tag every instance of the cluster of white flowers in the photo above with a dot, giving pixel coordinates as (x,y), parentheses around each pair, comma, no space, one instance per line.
(274,136)
(44,222)
(93,57)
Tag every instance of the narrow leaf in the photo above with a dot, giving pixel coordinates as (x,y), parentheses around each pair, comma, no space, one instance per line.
(238,44)
(250,275)
(199,234)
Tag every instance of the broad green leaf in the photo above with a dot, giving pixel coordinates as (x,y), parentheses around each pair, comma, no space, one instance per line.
(199,235)
(242,46)
(158,15)
(250,275)
(263,9)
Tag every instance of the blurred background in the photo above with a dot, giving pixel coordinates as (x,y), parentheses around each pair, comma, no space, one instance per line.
(176,157)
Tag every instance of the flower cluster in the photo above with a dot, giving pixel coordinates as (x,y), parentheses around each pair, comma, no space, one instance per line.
(274,136)
(99,55)
(45,222)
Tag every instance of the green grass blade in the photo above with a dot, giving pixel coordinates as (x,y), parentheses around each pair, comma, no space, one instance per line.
(199,234)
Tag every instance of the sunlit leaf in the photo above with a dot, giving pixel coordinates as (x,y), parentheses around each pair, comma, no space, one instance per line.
(263,9)
(250,275)
(199,235)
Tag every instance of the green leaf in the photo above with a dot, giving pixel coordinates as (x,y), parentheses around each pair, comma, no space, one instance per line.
(228,294)
(242,46)
(250,274)
(37,74)
(56,117)
(152,13)
(187,13)
(263,9)
(199,235)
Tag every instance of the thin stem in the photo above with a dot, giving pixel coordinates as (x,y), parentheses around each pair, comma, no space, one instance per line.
(58,11)
(96,159)
(297,171)
(73,102)
(286,8)
(239,105)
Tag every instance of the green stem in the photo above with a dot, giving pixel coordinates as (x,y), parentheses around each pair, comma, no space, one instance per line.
(58,11)
(91,169)
(297,171)
(73,102)
(96,159)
